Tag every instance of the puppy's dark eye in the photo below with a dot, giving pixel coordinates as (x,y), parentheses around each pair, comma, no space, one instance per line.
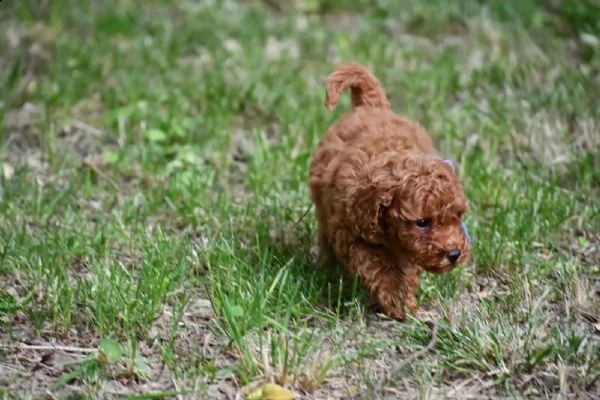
(423,223)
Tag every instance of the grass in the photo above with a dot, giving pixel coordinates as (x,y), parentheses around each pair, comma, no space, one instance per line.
(154,168)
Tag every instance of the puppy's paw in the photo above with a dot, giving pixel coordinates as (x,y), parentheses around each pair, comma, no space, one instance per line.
(394,313)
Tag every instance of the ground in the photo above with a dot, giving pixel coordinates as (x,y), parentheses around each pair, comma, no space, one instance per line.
(154,234)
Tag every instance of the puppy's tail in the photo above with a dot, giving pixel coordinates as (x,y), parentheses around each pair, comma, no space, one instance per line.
(365,88)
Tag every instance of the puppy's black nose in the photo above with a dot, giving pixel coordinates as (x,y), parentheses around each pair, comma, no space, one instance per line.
(453,255)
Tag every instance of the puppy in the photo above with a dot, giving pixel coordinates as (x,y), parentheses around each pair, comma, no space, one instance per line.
(388,206)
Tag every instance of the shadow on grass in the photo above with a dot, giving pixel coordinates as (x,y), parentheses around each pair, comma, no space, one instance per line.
(328,287)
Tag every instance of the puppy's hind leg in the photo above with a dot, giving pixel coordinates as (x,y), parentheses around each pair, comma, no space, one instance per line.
(327,257)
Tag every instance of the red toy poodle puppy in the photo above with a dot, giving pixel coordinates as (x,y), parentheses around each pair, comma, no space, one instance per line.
(388,206)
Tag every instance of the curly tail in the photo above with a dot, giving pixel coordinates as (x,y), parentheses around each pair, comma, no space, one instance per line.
(365,88)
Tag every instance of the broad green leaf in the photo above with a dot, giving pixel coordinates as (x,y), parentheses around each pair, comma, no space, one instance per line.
(141,367)
(112,350)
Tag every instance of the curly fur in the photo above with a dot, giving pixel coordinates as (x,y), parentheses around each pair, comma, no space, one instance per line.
(387,205)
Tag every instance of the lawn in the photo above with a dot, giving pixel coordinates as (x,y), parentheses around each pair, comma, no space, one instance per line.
(156,236)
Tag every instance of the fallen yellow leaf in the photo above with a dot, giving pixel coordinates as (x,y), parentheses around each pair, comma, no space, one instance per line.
(256,395)
(271,391)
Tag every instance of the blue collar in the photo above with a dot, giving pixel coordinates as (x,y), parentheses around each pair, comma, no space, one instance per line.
(449,162)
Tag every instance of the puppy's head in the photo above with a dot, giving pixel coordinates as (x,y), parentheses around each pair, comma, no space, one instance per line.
(424,217)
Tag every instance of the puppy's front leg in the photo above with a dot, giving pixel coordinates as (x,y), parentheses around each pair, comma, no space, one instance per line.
(392,287)
(408,277)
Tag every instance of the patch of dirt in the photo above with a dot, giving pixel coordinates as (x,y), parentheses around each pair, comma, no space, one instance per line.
(32,362)
(31,367)
(30,370)
(355,337)
(29,147)
(553,141)
(23,139)
(583,245)
(28,51)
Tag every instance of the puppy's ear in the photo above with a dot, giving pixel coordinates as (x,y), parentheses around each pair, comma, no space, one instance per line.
(369,209)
